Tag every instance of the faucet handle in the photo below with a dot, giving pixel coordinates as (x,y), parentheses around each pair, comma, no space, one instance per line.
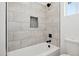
(50,35)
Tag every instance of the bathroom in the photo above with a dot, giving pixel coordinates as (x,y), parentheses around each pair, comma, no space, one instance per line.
(38,29)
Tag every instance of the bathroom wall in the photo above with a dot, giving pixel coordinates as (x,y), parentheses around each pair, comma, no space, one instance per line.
(2,29)
(62,43)
(52,22)
(19,32)
(69,29)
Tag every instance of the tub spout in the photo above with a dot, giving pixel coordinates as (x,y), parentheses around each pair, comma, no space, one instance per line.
(49,46)
(48,41)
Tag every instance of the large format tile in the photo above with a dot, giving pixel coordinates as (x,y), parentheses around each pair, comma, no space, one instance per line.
(13,45)
(10,36)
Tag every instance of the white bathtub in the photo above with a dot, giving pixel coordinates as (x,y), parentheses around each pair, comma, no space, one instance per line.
(72,46)
(36,50)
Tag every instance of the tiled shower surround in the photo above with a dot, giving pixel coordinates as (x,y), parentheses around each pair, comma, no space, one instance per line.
(20,34)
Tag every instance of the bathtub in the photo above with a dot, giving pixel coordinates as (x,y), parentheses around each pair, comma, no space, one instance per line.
(36,50)
(72,46)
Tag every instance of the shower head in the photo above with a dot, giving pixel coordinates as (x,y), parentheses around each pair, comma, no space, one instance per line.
(48,4)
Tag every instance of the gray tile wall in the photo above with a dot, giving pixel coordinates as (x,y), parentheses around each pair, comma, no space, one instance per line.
(19,32)
(53,22)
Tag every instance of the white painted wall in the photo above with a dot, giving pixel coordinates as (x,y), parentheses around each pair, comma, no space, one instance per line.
(61,27)
(69,28)
(2,29)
